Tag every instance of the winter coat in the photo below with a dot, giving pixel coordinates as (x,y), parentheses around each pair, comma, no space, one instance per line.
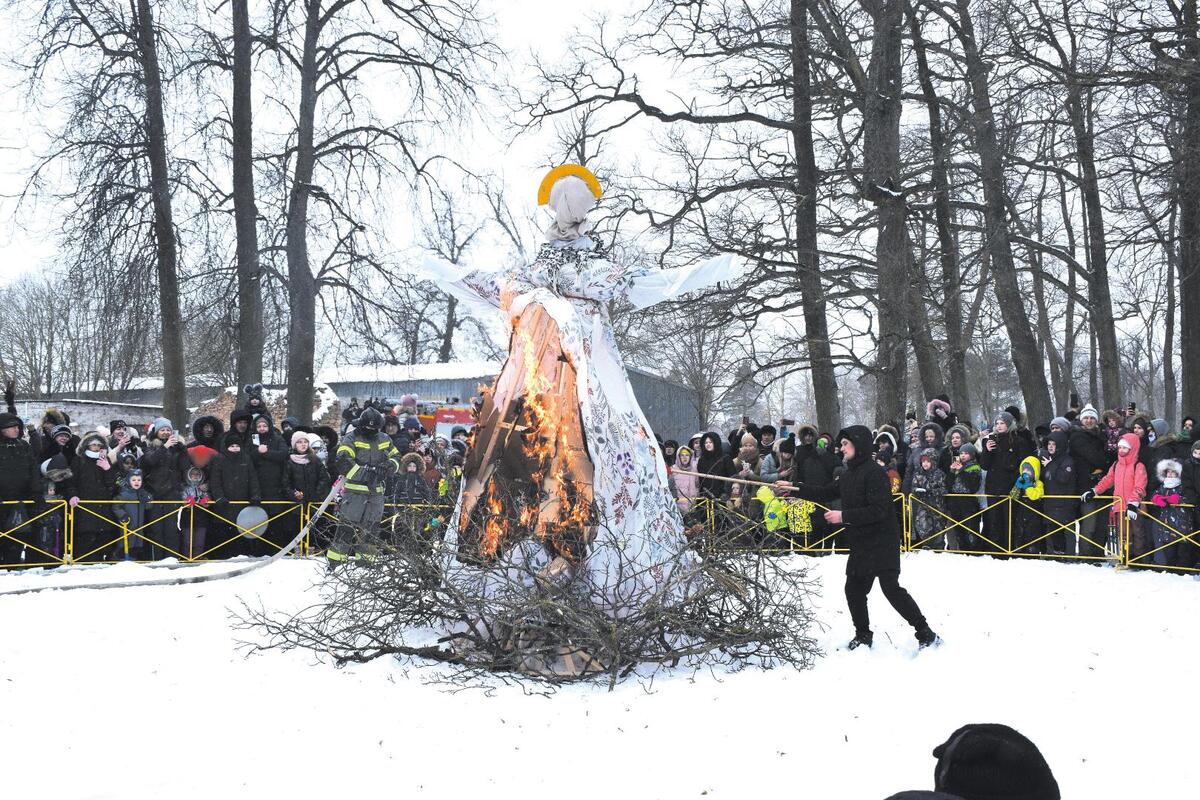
(1089,452)
(367,461)
(913,463)
(1003,464)
(1062,481)
(19,473)
(163,468)
(686,486)
(310,478)
(91,482)
(1164,447)
(714,463)
(411,487)
(270,465)
(814,465)
(232,478)
(1030,488)
(872,530)
(134,510)
(1126,479)
(928,486)
(949,451)
(964,481)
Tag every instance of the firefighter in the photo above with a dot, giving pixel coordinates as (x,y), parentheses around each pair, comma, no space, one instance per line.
(366,458)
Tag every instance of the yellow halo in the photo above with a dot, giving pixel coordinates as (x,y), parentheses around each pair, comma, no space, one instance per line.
(563,171)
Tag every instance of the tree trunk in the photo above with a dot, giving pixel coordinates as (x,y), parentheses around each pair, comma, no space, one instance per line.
(1099,295)
(302,289)
(1072,287)
(952,309)
(1031,371)
(928,368)
(447,348)
(808,268)
(1187,178)
(1170,388)
(881,186)
(245,211)
(174,396)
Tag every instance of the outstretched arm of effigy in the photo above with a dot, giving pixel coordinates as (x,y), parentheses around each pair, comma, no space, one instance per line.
(657,286)
(478,290)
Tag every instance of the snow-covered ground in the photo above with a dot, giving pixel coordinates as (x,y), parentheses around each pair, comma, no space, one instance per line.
(143,693)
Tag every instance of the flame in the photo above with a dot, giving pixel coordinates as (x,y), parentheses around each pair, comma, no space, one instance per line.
(561,507)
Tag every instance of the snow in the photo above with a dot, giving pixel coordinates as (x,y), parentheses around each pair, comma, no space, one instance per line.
(144,693)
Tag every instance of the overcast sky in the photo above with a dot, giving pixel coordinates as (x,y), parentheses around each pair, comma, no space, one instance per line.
(525,30)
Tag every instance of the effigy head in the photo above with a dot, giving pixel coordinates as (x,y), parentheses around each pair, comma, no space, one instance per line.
(571,192)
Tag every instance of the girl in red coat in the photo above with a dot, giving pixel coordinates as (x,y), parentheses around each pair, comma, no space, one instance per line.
(1126,482)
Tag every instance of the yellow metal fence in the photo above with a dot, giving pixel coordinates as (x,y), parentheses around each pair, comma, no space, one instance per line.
(55,534)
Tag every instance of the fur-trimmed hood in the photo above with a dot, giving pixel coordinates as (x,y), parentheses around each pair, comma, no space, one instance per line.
(53,417)
(88,438)
(963,430)
(213,441)
(1166,464)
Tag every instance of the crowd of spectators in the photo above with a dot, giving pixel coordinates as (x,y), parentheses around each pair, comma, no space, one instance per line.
(117,477)
(1067,481)
(1056,489)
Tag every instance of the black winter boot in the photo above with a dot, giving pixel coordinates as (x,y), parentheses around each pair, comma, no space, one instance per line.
(860,640)
(927,638)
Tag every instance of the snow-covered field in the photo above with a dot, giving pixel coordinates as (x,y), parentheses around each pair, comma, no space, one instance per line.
(142,693)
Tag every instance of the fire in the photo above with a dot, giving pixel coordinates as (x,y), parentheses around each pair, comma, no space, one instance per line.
(551,495)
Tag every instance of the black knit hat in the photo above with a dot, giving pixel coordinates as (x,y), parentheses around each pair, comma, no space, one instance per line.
(988,761)
(788,445)
(1016,412)
(921,794)
(8,420)
(114,424)
(233,437)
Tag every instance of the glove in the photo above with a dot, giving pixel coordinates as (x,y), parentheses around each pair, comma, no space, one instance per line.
(918,491)
(191,501)
(1014,494)
(1024,482)
(204,501)
(1087,496)
(1132,510)
(1159,500)
(1174,499)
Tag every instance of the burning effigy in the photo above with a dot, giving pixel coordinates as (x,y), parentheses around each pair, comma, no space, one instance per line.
(565,557)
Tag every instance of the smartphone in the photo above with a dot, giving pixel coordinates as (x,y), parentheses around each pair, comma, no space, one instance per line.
(255,440)
(1132,406)
(745,419)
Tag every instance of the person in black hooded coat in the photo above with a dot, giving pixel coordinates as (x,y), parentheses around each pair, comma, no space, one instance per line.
(713,461)
(231,479)
(872,534)
(239,423)
(207,431)
(269,455)
(19,480)
(1064,485)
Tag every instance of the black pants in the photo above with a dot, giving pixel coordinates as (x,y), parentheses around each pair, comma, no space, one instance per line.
(859,586)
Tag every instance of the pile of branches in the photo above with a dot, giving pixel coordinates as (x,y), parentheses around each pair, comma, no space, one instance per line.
(724,602)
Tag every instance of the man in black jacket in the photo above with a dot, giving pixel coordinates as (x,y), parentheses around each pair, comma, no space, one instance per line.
(872,533)
(19,480)
(1088,452)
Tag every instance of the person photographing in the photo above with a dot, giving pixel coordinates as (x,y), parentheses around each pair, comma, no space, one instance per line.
(872,534)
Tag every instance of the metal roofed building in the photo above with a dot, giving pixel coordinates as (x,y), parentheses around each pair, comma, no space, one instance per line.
(669,407)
